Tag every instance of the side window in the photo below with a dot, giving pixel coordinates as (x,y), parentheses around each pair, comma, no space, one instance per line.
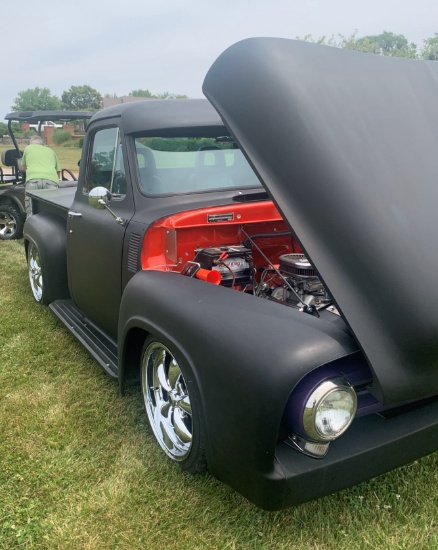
(106,168)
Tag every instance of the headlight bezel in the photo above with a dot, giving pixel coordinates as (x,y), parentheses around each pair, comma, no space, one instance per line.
(320,394)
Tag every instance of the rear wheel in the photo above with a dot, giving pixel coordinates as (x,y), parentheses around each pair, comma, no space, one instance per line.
(36,274)
(11,222)
(171,406)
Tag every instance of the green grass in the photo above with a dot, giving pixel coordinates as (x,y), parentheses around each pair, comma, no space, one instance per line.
(68,156)
(79,467)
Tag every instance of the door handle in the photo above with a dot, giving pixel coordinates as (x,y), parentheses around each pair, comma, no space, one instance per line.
(72,214)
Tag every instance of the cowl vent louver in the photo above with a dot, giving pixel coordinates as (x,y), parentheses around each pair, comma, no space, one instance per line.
(133,252)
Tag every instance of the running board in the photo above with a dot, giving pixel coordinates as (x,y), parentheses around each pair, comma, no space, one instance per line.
(100,345)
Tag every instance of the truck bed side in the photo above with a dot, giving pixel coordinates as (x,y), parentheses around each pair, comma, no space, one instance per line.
(57,201)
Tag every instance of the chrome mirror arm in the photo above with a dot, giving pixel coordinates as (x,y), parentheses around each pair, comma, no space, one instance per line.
(118,219)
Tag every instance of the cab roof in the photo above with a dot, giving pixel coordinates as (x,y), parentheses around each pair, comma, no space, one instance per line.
(166,117)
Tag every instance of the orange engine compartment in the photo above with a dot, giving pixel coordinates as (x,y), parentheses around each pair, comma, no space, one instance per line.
(171,242)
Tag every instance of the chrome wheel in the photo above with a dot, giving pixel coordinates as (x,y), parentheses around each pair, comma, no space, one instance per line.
(8,224)
(167,401)
(11,222)
(35,273)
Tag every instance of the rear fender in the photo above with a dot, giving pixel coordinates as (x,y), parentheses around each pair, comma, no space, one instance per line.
(48,232)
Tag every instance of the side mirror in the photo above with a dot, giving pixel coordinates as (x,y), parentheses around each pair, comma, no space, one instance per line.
(99,197)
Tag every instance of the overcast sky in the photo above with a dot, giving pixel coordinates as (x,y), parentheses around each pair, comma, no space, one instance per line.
(118,46)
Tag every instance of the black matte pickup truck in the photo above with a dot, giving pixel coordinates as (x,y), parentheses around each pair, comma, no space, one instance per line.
(263,264)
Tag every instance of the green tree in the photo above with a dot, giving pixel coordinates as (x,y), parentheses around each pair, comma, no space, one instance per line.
(364,44)
(169,95)
(162,95)
(36,99)
(81,98)
(386,43)
(141,93)
(430,48)
(324,40)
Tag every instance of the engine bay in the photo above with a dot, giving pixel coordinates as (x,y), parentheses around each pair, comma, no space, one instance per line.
(247,249)
(293,281)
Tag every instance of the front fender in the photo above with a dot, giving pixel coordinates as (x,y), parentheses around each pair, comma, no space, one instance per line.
(48,232)
(245,355)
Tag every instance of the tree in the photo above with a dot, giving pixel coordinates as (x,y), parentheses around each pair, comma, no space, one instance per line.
(168,95)
(162,95)
(141,93)
(364,44)
(81,98)
(36,99)
(430,48)
(386,43)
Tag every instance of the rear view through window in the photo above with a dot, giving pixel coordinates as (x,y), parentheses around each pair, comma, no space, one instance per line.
(187,165)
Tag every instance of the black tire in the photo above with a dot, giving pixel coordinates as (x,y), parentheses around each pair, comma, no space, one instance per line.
(36,274)
(170,400)
(11,222)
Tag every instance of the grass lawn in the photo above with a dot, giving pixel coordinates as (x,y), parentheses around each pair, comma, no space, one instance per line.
(79,468)
(68,156)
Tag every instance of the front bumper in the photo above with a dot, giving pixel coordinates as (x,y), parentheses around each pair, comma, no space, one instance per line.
(372,445)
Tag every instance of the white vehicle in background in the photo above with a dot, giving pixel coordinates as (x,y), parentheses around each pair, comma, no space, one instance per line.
(44,124)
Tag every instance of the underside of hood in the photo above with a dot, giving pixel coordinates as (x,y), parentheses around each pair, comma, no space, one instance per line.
(346,144)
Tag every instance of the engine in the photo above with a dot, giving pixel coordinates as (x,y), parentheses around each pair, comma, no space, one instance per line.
(232,262)
(302,277)
(231,265)
(293,281)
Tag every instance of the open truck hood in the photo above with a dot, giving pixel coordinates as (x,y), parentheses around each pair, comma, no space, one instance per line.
(346,143)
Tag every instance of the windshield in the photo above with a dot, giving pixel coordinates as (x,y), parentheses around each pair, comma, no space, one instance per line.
(188,165)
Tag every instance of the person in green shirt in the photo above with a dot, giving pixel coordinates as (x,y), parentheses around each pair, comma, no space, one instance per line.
(41,166)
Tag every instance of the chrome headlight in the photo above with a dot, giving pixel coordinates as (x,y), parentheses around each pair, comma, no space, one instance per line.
(329,410)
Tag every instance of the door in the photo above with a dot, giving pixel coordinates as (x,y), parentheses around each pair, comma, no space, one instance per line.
(94,238)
